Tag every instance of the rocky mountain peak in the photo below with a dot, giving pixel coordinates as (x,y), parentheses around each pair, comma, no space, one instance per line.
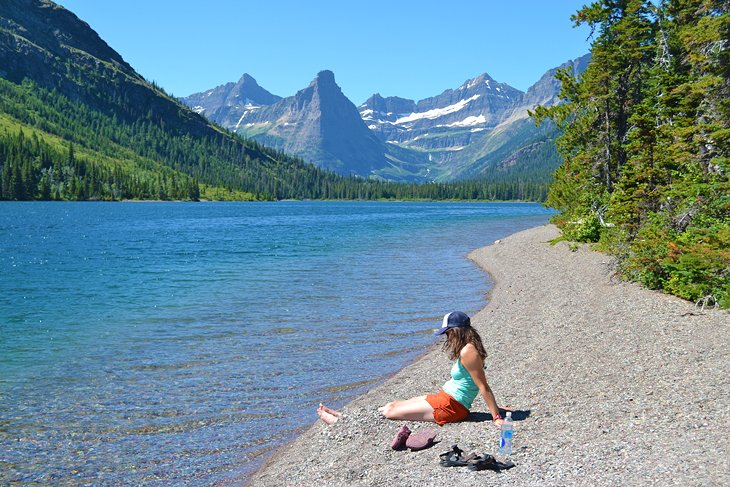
(319,124)
(325,77)
(247,82)
(248,91)
(389,106)
(482,79)
(226,103)
(323,94)
(247,78)
(545,91)
(375,102)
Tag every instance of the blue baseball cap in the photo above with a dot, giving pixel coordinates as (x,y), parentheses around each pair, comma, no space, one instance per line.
(453,320)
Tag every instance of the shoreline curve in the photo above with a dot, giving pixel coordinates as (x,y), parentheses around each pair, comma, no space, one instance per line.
(612,384)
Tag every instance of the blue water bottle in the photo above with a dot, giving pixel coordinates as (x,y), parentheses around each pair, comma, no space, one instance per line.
(505,436)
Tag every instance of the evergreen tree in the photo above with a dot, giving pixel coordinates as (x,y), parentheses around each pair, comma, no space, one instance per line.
(645,143)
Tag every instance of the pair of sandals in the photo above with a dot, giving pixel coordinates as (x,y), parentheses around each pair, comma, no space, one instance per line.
(415,441)
(455,458)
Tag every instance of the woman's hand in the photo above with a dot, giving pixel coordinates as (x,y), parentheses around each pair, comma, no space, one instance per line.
(498,419)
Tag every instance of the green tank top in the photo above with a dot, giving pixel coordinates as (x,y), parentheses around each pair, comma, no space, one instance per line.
(461,386)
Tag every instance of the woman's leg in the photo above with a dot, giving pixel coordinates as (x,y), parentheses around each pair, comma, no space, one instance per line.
(416,409)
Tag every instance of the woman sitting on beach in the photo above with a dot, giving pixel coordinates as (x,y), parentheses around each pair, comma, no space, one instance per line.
(451,404)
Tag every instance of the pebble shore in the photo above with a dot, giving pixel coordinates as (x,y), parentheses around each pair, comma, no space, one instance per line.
(611,384)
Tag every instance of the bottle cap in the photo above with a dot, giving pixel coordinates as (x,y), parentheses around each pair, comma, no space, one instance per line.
(509,414)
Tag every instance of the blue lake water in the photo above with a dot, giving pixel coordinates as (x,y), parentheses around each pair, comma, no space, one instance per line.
(165,343)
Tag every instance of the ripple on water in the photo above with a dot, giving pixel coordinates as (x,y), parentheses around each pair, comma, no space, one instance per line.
(174,343)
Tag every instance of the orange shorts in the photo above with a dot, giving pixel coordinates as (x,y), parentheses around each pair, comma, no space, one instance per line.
(446,409)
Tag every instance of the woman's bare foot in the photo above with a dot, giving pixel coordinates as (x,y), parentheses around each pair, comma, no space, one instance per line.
(328,415)
(330,410)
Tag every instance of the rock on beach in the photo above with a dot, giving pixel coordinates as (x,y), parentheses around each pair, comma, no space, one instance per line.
(611,383)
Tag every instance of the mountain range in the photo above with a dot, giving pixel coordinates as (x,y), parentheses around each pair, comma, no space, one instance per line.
(318,123)
(77,122)
(480,129)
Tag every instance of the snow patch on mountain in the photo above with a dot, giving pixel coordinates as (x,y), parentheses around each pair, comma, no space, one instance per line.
(238,124)
(467,122)
(436,112)
(472,83)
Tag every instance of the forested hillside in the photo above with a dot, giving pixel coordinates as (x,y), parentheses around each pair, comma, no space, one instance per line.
(54,149)
(78,123)
(645,144)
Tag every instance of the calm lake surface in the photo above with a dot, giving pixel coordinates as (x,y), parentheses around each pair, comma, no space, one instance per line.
(168,343)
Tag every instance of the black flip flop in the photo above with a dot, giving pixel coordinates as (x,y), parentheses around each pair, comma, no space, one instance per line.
(488,462)
(505,465)
(455,458)
(483,462)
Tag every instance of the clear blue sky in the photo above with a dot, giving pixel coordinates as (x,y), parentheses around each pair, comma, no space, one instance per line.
(412,49)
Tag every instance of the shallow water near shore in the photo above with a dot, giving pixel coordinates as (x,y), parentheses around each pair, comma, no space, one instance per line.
(179,342)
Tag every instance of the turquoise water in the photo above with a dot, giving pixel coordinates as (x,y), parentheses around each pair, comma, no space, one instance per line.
(182,342)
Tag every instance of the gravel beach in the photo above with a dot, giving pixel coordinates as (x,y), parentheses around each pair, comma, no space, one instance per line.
(611,384)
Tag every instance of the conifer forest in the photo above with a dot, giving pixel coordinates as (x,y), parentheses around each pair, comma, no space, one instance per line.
(644,142)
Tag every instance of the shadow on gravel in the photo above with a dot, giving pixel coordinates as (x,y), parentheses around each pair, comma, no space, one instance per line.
(517,415)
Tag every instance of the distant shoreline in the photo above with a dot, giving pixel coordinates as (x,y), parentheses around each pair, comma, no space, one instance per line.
(614,384)
(274,201)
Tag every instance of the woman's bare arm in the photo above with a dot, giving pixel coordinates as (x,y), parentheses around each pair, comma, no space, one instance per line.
(473,363)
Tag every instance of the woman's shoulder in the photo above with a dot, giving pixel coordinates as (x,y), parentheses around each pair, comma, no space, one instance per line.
(470,357)
(469,351)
